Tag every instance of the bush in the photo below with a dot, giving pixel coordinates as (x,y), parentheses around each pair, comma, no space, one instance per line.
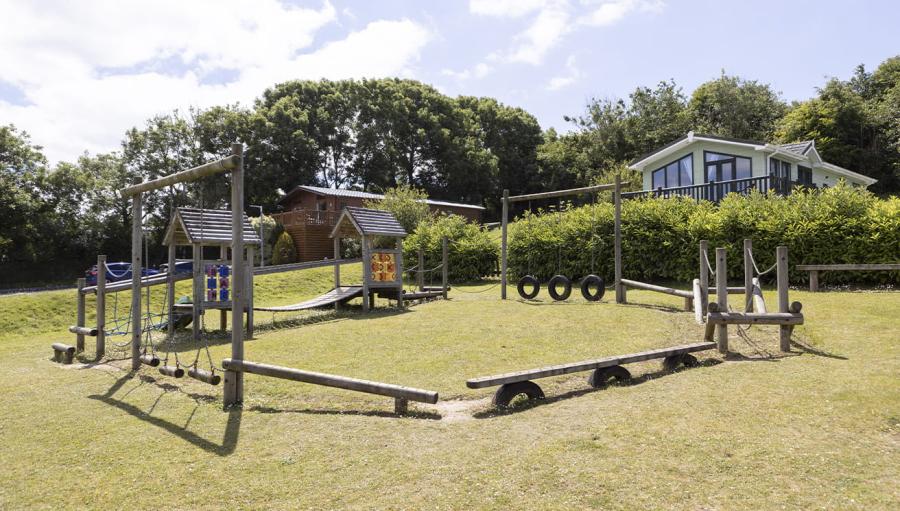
(472,254)
(271,232)
(284,251)
(660,236)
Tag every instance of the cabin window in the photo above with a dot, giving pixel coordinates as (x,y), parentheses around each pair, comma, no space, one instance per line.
(779,168)
(726,167)
(322,205)
(804,175)
(677,173)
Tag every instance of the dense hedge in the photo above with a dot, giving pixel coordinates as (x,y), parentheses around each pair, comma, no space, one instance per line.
(660,236)
(472,253)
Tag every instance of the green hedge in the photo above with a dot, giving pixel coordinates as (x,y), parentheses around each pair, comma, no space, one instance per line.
(660,237)
(473,254)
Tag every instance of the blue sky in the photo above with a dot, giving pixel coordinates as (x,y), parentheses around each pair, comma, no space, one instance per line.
(78,74)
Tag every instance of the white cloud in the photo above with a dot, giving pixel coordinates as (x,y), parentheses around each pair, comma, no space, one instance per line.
(572,75)
(609,12)
(91,70)
(478,71)
(505,8)
(547,30)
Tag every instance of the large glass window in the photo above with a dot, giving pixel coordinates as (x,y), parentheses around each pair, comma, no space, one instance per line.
(678,173)
(804,175)
(726,167)
(779,168)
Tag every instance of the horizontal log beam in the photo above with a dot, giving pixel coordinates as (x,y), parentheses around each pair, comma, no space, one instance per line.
(562,193)
(83,330)
(330,380)
(659,289)
(265,270)
(586,365)
(147,281)
(207,169)
(735,290)
(754,318)
(853,267)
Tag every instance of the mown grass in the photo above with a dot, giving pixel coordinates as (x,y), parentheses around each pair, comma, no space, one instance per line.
(817,428)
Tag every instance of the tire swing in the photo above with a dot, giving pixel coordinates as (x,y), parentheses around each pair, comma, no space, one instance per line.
(593,280)
(524,282)
(528,280)
(554,283)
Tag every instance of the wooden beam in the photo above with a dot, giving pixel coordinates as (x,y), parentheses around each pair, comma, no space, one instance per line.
(754,318)
(79,312)
(659,289)
(748,275)
(586,365)
(234,381)
(331,380)
(698,301)
(504,220)
(137,242)
(759,302)
(813,280)
(101,307)
(781,265)
(721,297)
(207,169)
(562,193)
(617,240)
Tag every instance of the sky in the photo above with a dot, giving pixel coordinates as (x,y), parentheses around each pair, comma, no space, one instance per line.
(77,75)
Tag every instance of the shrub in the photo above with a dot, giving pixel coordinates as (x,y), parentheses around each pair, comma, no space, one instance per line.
(472,254)
(270,231)
(284,251)
(660,236)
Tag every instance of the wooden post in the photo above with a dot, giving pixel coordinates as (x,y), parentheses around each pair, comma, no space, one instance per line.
(170,290)
(101,306)
(748,275)
(813,280)
(781,260)
(617,200)
(698,301)
(722,297)
(367,270)
(704,276)
(759,302)
(445,257)
(503,223)
(400,304)
(251,254)
(137,242)
(337,268)
(79,314)
(198,296)
(420,275)
(234,380)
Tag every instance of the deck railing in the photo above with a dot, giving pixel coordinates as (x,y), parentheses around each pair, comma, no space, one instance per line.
(306,217)
(716,191)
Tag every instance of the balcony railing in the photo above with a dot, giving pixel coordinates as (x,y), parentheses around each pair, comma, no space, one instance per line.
(306,217)
(716,191)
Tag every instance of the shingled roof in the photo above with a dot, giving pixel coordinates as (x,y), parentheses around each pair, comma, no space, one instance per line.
(207,227)
(798,147)
(367,222)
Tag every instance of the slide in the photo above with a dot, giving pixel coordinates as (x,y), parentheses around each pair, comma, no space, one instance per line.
(340,294)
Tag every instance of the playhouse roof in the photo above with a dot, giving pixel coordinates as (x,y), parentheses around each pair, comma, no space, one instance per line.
(206,227)
(367,222)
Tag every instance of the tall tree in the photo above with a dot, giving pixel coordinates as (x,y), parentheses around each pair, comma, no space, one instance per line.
(733,107)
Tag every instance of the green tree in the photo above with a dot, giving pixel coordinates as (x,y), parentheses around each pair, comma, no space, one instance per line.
(406,203)
(284,251)
(733,107)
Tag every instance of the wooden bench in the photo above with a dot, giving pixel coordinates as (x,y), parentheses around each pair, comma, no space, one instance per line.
(814,270)
(513,384)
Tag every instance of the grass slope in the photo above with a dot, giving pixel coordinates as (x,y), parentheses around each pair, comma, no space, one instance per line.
(818,428)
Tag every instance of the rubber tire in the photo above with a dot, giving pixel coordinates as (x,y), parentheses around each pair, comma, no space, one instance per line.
(593,280)
(600,377)
(675,361)
(528,280)
(567,288)
(508,391)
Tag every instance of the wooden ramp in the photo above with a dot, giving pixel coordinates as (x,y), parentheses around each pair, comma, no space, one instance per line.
(341,294)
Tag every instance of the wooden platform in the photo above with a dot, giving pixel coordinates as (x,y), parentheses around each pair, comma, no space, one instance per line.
(341,294)
(587,365)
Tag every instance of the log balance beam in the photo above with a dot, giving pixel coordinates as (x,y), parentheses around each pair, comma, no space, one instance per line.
(63,352)
(402,395)
(516,383)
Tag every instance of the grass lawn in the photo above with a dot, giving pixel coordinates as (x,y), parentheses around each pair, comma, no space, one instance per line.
(816,428)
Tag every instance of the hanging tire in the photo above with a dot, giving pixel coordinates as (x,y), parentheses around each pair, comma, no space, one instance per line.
(508,391)
(600,377)
(557,281)
(595,282)
(528,280)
